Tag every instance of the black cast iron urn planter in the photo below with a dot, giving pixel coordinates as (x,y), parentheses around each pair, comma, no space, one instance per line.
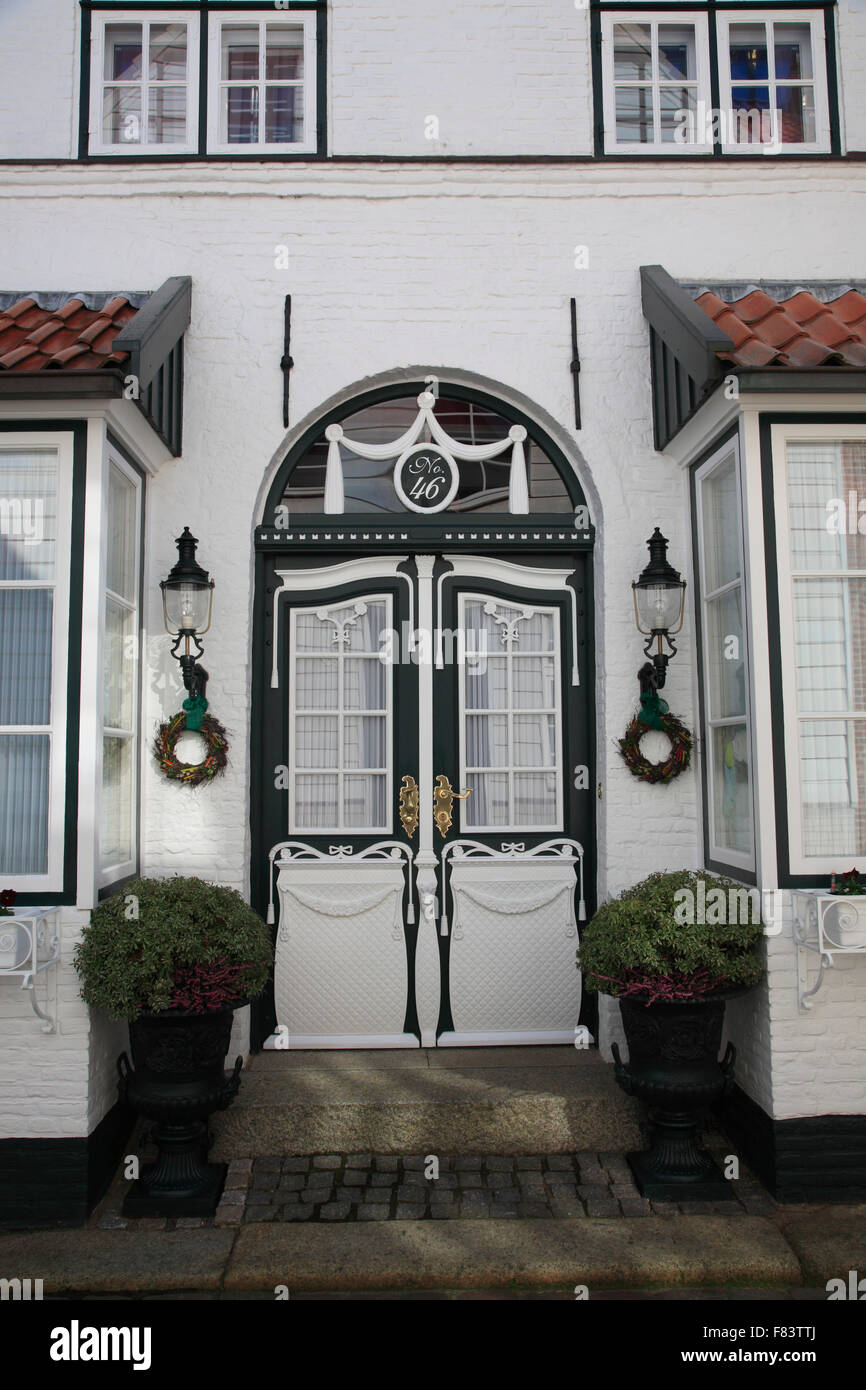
(673,1067)
(178,1079)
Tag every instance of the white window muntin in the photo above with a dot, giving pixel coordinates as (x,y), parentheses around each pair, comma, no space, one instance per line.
(652,19)
(261,20)
(719,853)
(339,769)
(818,81)
(144,19)
(56,731)
(109,872)
(781,436)
(468,825)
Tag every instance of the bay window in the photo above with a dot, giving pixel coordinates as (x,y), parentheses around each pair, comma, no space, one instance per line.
(721,597)
(118,849)
(35,512)
(820,482)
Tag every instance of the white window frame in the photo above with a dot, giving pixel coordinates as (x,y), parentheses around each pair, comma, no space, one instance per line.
(62,444)
(815,20)
(721,854)
(799,863)
(101,18)
(654,18)
(110,873)
(303,18)
(339,711)
(509,769)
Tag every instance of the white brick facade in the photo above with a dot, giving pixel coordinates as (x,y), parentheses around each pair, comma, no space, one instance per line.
(397,271)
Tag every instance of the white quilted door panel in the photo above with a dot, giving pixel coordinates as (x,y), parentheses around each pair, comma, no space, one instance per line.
(341,977)
(513,942)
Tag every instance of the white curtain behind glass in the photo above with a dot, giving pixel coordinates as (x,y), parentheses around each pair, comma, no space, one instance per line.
(28,535)
(511,717)
(829,643)
(341,693)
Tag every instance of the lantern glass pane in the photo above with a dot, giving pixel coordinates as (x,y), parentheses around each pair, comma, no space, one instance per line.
(659,606)
(187,606)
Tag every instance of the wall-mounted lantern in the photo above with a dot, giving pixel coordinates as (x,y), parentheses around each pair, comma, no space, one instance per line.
(659,606)
(187,604)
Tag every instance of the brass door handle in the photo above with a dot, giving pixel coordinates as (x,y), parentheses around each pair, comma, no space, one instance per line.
(409,805)
(444,797)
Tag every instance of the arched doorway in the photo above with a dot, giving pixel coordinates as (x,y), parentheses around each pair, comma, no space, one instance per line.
(423,626)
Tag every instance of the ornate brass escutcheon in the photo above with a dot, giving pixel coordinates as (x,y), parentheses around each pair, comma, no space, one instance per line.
(409,805)
(443,798)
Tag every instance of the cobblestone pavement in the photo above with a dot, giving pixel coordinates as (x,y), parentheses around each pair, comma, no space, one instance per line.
(383,1187)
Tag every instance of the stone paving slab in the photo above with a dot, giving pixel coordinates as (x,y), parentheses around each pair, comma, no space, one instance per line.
(555,1099)
(107,1261)
(829,1240)
(725,1251)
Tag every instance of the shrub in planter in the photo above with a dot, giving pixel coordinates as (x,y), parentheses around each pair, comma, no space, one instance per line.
(672,949)
(650,943)
(175,957)
(174,943)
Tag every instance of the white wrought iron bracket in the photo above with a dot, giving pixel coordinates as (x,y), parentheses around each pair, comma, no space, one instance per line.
(24,960)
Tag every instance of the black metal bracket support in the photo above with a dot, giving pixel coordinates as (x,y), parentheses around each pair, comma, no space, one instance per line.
(195,677)
(286,361)
(574,365)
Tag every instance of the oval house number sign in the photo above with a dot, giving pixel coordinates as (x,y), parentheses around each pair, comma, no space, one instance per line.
(426,478)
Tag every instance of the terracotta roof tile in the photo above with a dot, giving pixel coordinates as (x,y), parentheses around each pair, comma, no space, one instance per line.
(797,331)
(71,337)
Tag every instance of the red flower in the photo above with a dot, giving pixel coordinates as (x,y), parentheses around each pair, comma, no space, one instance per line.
(8,897)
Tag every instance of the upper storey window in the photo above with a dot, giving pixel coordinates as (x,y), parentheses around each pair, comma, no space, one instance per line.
(146,97)
(714,81)
(144,84)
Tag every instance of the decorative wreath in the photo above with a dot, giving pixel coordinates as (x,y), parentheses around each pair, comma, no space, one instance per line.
(681,747)
(193,721)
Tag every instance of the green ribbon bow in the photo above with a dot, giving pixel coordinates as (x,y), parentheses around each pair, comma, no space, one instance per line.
(196,709)
(651,710)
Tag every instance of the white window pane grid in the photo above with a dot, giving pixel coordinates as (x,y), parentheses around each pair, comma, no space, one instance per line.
(120,742)
(725,662)
(510,720)
(146,83)
(828,609)
(657,70)
(339,773)
(261,98)
(34,580)
(28,515)
(770,65)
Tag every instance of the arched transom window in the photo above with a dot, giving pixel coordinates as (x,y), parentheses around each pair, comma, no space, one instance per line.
(425,454)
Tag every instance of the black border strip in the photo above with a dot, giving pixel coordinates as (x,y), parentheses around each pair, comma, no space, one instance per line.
(766,420)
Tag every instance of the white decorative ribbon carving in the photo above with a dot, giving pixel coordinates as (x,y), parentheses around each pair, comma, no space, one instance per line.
(518,489)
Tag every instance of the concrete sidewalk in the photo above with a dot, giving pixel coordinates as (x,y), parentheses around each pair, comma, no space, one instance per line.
(800,1248)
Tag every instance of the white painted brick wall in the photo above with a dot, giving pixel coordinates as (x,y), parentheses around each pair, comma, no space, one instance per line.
(44,1077)
(502,76)
(395,268)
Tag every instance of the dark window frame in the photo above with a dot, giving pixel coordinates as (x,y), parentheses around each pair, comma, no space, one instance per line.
(204,9)
(717,866)
(766,420)
(67,896)
(710,8)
